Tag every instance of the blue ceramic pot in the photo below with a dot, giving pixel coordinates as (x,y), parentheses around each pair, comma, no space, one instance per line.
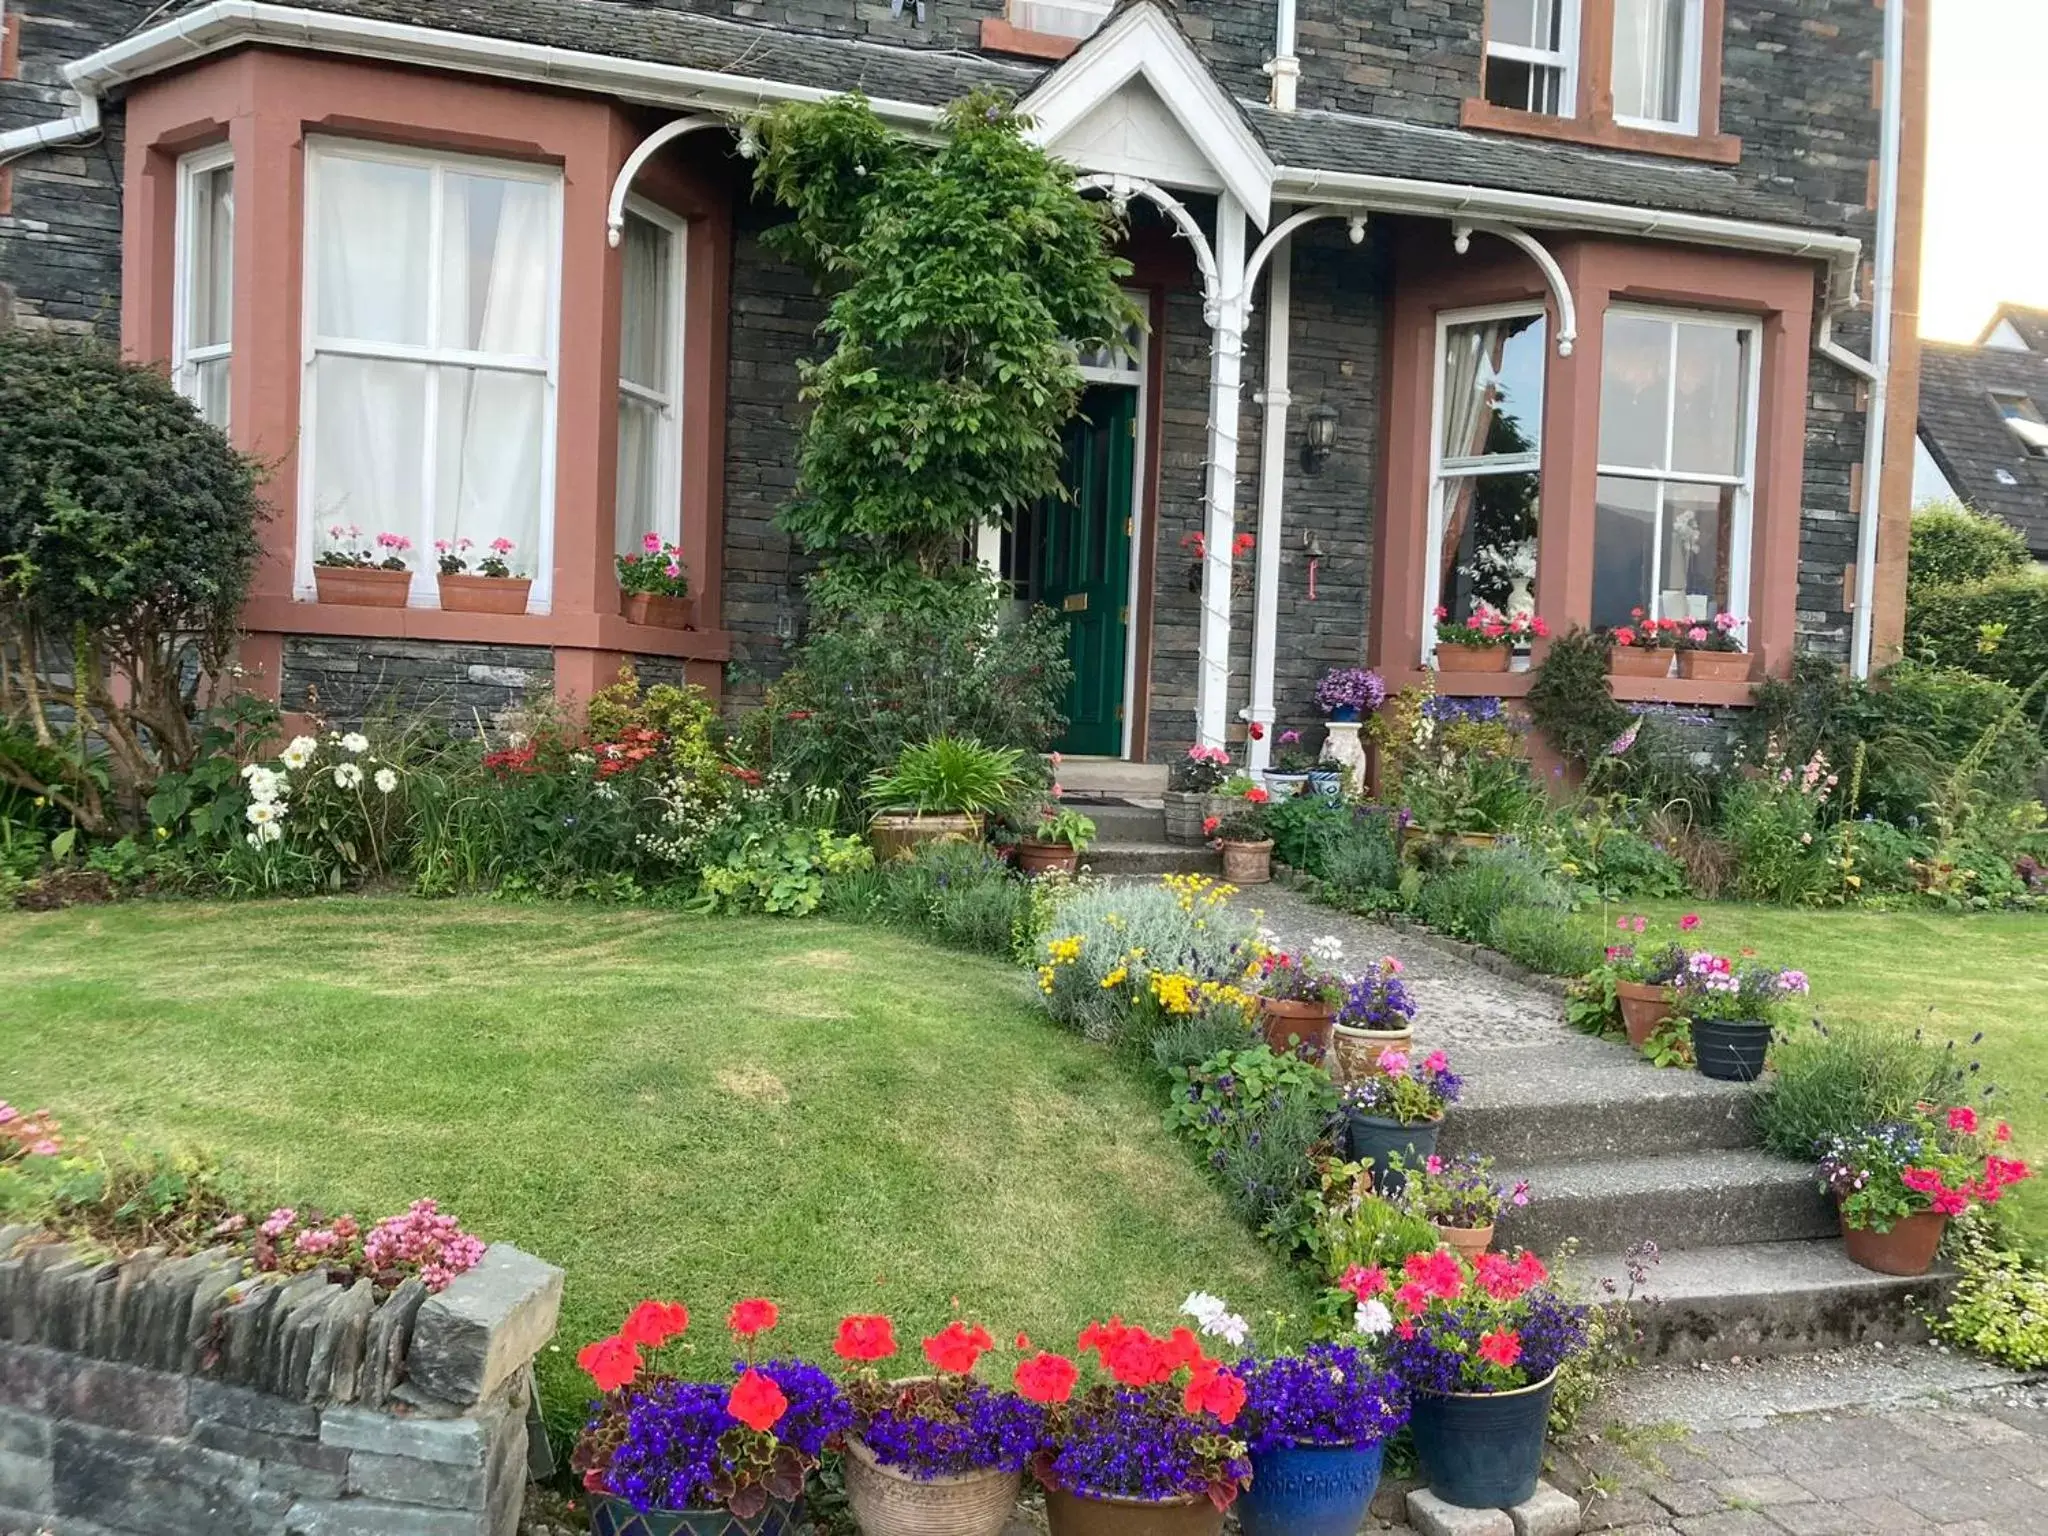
(1378,1139)
(1482,1450)
(1348,713)
(613,1516)
(1310,1490)
(1321,782)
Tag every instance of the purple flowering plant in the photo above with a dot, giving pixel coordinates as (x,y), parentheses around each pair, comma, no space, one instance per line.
(1328,1394)
(1358,688)
(1406,1090)
(1378,1000)
(1135,1443)
(1460,1191)
(946,1424)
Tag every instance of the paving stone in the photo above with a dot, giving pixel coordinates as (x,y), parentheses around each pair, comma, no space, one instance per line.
(1687,1498)
(1732,1455)
(1431,1516)
(1817,1519)
(1730,1522)
(1886,1515)
(1546,1512)
(472,1337)
(1765,1490)
(1625,1507)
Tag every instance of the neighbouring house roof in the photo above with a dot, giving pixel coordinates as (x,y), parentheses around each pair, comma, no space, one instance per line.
(2017,322)
(1302,141)
(1966,433)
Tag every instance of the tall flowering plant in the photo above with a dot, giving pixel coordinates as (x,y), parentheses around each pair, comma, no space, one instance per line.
(1406,1090)
(1158,1428)
(654,567)
(1943,1161)
(1493,1325)
(657,1441)
(945,1424)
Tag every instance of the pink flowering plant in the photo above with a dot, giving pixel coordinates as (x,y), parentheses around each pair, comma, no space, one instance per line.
(1460,1191)
(1487,628)
(1407,1089)
(496,561)
(348,549)
(1714,989)
(1202,771)
(1723,632)
(26,1133)
(655,567)
(1939,1160)
(1655,965)
(421,1240)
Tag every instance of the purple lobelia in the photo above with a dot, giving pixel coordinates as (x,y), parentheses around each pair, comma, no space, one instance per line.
(1130,1443)
(1328,1395)
(934,1428)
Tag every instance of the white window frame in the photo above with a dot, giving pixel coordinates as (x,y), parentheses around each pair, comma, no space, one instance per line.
(1027,16)
(669,402)
(1692,53)
(1499,464)
(1564,59)
(1744,483)
(186,358)
(425,591)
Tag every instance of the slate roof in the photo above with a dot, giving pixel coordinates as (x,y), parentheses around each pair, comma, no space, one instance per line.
(2032,324)
(1969,439)
(1305,140)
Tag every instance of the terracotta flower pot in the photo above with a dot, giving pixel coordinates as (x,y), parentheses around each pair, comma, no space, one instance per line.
(1036,858)
(661,611)
(1248,863)
(1356,1052)
(1080,1514)
(1466,1242)
(1908,1249)
(1292,1026)
(898,834)
(1472,658)
(363,586)
(887,1502)
(1643,1008)
(1716,666)
(484,594)
(1638,661)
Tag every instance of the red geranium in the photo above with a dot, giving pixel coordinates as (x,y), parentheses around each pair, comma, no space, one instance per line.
(1211,1389)
(957,1347)
(752,1316)
(1438,1273)
(1258,794)
(865,1338)
(756,1401)
(1362,1281)
(1046,1378)
(612,1362)
(654,1323)
(1502,1347)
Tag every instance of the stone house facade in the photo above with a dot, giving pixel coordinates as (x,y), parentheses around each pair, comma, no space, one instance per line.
(1561,304)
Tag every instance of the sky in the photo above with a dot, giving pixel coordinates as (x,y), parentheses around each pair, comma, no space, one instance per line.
(1986,236)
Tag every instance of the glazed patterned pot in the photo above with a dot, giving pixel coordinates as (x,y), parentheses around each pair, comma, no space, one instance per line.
(613,1516)
(1483,1450)
(887,1502)
(1356,1052)
(1309,1490)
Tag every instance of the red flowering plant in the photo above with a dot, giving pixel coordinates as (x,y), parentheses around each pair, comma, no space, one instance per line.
(1492,1325)
(1487,628)
(1243,819)
(1645,633)
(660,1442)
(948,1423)
(1940,1160)
(1158,1428)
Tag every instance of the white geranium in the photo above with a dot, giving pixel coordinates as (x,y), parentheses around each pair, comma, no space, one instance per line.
(386,781)
(1327,952)
(1374,1319)
(262,813)
(355,741)
(299,751)
(1213,1316)
(347,776)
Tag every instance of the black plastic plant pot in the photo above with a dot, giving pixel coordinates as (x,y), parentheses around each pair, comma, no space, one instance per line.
(613,1516)
(1483,1450)
(1381,1140)
(1728,1051)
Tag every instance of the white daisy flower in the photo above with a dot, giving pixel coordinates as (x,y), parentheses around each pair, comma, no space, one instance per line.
(355,741)
(386,781)
(1373,1318)
(347,776)
(299,752)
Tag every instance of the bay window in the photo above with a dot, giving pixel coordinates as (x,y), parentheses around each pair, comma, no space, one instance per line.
(428,400)
(1060,18)
(1532,55)
(1677,466)
(204,281)
(1656,79)
(650,378)
(1487,461)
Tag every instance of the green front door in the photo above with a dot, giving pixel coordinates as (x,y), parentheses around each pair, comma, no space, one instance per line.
(1085,565)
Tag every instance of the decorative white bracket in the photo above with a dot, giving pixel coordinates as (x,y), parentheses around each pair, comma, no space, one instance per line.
(648,148)
(1288,226)
(1553,274)
(1122,189)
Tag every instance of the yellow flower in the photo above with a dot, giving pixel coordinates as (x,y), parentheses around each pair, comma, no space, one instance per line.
(1064,951)
(1115,978)
(1045,978)
(162,833)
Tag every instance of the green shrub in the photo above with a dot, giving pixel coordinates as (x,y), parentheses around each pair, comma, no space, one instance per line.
(1345,848)
(1571,701)
(780,872)
(1184,1043)
(1999,1307)
(1545,940)
(1615,860)
(1836,1078)
(948,775)
(1463,899)
(1997,628)
(1953,546)
(1260,1118)
(957,893)
(1881,857)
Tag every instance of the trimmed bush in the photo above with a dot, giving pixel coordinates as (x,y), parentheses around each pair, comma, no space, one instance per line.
(1997,628)
(1952,546)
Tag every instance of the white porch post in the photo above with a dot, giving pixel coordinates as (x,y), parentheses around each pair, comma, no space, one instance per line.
(1272,479)
(1226,361)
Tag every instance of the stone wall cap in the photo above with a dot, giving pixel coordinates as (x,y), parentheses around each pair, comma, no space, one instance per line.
(472,1337)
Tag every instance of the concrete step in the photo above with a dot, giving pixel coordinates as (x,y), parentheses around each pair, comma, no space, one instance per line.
(1161,858)
(1119,821)
(1110,776)
(1751,1299)
(1527,1104)
(1703,1199)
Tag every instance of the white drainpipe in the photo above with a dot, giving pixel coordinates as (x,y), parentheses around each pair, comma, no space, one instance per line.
(1272,483)
(1885,279)
(82,124)
(1226,363)
(1284,68)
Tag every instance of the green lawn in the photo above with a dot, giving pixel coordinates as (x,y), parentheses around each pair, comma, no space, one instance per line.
(1951,974)
(835,1116)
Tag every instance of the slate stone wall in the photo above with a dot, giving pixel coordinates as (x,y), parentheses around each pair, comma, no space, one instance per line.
(175,1396)
(344,680)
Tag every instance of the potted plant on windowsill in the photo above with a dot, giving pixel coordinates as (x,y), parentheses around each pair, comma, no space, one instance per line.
(1347,694)
(1240,834)
(1317,1424)
(1192,793)
(1712,652)
(1393,1116)
(1459,1197)
(1297,994)
(940,790)
(664,1456)
(350,572)
(654,586)
(1147,1451)
(493,589)
(1643,648)
(1377,1015)
(1732,1011)
(1479,1347)
(932,1455)
(1896,1185)
(1058,835)
(1485,641)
